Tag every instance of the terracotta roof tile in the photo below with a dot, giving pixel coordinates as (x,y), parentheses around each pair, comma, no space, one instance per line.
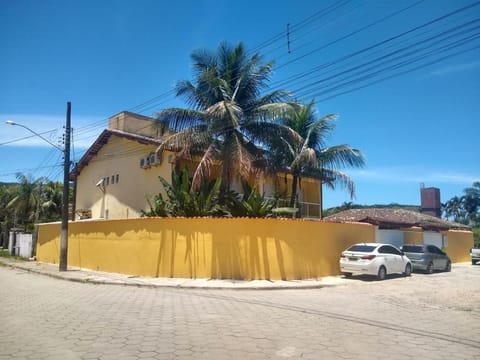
(394,218)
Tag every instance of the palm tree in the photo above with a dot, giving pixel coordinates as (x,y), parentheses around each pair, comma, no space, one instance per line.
(309,156)
(27,200)
(51,202)
(228,118)
(471,203)
(6,214)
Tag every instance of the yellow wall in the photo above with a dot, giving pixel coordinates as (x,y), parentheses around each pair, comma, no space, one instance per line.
(413,236)
(459,244)
(206,247)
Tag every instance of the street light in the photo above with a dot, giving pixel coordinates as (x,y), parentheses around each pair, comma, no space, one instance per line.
(62,263)
(10,122)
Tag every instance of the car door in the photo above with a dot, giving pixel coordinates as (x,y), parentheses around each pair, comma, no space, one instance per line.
(396,259)
(439,260)
(390,261)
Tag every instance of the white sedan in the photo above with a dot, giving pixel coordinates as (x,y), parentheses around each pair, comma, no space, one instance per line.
(374,259)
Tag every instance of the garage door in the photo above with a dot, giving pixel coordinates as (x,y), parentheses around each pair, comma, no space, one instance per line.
(432,238)
(394,237)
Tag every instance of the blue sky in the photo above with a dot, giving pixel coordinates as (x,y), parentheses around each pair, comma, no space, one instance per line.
(405,86)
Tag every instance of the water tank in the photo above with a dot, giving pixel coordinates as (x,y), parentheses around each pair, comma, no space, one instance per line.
(430,201)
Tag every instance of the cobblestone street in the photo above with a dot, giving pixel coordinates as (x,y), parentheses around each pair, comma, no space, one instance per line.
(425,316)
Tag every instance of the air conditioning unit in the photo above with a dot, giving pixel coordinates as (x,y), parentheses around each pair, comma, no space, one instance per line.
(152,158)
(145,162)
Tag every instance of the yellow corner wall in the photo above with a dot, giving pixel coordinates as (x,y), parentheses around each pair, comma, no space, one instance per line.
(206,247)
(459,244)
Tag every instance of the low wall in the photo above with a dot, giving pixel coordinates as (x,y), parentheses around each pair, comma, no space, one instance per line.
(459,244)
(215,248)
(219,248)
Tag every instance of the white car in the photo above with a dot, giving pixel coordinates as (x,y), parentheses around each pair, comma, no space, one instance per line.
(374,259)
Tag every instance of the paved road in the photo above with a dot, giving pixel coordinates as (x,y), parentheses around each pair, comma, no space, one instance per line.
(427,317)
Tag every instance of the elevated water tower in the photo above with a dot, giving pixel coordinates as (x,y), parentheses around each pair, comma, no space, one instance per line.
(430,201)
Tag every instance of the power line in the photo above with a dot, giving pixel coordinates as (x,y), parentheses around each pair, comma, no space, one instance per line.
(346,77)
(407,51)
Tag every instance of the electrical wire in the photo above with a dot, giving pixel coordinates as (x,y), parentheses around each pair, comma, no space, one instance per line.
(356,77)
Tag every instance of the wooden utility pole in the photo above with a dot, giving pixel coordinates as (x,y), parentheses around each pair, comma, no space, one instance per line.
(66,182)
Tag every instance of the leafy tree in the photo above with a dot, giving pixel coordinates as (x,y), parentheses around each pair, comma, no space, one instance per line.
(157,205)
(308,155)
(476,236)
(228,118)
(185,201)
(51,202)
(465,209)
(471,203)
(454,209)
(252,204)
(26,201)
(6,214)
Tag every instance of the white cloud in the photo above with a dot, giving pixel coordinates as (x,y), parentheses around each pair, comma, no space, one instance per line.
(411,175)
(451,69)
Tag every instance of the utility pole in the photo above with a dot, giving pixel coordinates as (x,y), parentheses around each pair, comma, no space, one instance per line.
(66,182)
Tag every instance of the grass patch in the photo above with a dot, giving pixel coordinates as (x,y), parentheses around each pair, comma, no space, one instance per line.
(4,253)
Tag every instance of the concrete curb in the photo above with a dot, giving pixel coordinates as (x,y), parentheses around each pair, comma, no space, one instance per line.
(101,278)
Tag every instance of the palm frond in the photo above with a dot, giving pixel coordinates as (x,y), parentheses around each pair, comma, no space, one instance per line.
(204,167)
(178,118)
(341,156)
(333,178)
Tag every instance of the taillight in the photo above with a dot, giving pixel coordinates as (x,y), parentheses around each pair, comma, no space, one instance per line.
(368,257)
(342,255)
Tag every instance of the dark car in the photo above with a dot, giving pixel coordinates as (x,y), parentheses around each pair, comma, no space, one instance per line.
(427,258)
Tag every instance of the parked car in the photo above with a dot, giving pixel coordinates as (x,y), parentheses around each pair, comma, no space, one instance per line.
(427,258)
(475,254)
(374,259)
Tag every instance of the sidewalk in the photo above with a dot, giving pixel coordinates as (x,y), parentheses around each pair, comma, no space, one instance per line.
(99,277)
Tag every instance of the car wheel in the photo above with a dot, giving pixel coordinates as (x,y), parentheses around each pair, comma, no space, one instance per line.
(448,268)
(382,273)
(473,262)
(408,270)
(430,268)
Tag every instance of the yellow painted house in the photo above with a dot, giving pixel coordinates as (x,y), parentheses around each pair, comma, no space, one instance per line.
(120,170)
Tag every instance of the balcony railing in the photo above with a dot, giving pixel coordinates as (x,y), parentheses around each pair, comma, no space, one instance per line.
(306,209)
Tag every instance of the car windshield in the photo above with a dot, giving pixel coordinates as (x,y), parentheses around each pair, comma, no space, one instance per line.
(362,248)
(412,248)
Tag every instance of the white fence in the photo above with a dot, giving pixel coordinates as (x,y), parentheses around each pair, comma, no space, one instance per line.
(20,244)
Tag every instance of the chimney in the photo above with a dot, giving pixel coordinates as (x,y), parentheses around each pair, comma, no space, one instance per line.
(430,201)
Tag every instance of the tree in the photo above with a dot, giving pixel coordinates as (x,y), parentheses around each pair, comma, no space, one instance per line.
(6,214)
(465,209)
(27,200)
(51,202)
(454,209)
(471,203)
(228,118)
(308,155)
(185,201)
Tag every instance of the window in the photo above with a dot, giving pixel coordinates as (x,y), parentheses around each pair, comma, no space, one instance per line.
(107,179)
(387,249)
(413,248)
(362,248)
(117,177)
(113,179)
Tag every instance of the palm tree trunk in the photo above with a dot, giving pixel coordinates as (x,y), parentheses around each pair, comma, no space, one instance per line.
(294,190)
(321,200)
